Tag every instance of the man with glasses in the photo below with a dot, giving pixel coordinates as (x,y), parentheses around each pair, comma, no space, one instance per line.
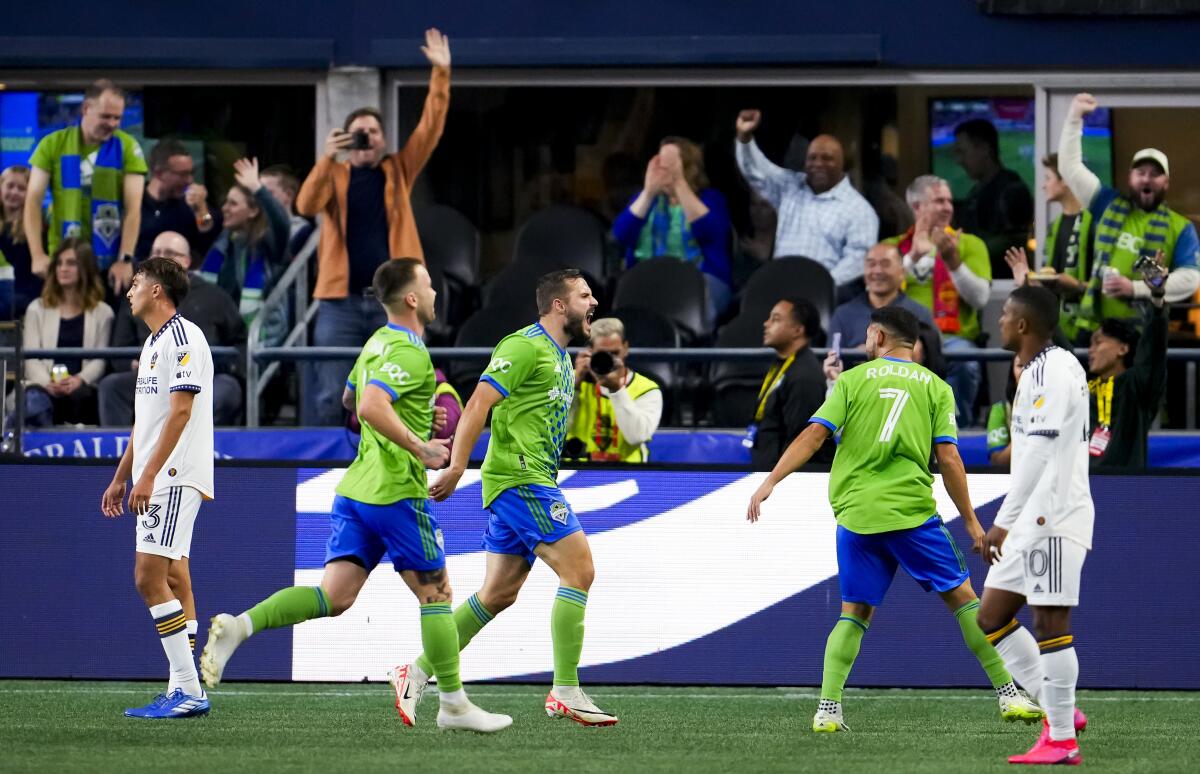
(175,202)
(207,306)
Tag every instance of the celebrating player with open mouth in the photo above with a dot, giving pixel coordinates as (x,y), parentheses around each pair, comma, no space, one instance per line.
(170,457)
(891,412)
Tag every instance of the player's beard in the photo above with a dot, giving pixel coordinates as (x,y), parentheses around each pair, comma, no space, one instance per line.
(577,325)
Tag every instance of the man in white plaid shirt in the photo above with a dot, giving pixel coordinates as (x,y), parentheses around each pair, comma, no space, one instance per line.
(821,216)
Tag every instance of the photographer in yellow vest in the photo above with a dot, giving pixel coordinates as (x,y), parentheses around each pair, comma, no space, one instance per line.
(616,410)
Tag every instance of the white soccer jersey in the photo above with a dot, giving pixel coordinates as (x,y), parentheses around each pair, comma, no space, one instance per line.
(1049,494)
(175,358)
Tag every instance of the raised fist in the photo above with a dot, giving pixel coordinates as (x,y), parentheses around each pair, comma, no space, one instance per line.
(747,122)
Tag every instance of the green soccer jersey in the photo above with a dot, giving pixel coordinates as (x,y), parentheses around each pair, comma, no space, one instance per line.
(529,425)
(395,360)
(890,413)
(71,165)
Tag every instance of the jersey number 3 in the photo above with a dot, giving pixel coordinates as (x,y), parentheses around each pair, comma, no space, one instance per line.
(899,400)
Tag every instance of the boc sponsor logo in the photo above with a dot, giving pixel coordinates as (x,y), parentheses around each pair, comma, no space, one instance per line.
(394,372)
(501,365)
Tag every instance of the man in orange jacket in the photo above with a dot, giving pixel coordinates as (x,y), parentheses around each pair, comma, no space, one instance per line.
(368,220)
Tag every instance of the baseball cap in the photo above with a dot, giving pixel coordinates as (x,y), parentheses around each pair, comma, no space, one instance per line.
(1151,154)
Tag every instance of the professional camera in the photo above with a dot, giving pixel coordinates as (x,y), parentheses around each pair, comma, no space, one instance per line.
(603,363)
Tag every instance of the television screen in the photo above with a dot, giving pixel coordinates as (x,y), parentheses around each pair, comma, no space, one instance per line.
(1013,119)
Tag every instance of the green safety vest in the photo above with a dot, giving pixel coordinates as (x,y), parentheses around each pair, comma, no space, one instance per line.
(1076,266)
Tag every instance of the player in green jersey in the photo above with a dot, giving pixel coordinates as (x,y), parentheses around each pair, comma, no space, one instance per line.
(382,503)
(890,412)
(530,382)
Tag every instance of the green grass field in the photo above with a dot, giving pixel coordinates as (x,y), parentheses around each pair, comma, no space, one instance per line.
(78,726)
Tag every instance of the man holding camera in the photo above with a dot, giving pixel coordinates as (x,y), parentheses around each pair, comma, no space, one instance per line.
(616,410)
(368,220)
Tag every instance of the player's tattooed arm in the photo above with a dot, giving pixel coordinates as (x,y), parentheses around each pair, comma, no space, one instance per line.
(375,409)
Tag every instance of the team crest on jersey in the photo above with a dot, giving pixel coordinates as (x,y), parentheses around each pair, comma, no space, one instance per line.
(182,358)
(172,472)
(559,512)
(153,361)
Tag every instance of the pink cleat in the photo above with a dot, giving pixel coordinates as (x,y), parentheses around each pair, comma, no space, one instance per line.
(1080,721)
(1048,752)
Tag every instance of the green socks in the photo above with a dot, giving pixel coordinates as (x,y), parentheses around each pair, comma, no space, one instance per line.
(841,649)
(289,606)
(566,630)
(967,617)
(469,618)
(439,636)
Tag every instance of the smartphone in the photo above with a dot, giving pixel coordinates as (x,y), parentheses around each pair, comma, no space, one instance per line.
(359,141)
(835,345)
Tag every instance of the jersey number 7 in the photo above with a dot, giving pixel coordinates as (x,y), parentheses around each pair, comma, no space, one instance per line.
(899,400)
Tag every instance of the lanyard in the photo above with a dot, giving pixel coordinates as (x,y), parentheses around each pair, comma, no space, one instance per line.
(774,377)
(605,437)
(1103,390)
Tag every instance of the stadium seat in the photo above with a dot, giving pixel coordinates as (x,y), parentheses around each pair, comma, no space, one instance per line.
(790,276)
(450,241)
(735,385)
(515,285)
(647,328)
(673,287)
(572,236)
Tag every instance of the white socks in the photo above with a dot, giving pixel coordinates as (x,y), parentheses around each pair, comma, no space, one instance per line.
(172,630)
(1058,692)
(454,698)
(1020,652)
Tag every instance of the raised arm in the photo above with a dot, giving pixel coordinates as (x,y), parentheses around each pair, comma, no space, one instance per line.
(424,138)
(1081,180)
(767,180)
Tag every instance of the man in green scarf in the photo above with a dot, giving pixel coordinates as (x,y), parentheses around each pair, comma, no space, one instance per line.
(1126,226)
(96,175)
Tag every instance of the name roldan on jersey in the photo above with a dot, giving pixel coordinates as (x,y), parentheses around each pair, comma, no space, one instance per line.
(900,370)
(147,385)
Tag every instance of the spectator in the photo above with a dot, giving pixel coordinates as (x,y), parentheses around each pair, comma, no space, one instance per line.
(70,313)
(820,215)
(883,271)
(794,386)
(95,175)
(175,202)
(1068,252)
(213,312)
(950,274)
(283,184)
(678,214)
(14,247)
(1129,379)
(1127,226)
(368,220)
(999,425)
(247,256)
(617,411)
(999,208)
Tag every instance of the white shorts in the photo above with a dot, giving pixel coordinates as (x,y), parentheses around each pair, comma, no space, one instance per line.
(166,528)
(1046,572)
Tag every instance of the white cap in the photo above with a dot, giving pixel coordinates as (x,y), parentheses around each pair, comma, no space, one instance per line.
(1151,154)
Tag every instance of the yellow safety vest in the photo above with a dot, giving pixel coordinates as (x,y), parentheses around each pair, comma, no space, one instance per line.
(596,426)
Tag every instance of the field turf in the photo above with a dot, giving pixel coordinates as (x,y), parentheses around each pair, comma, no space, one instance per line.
(78,726)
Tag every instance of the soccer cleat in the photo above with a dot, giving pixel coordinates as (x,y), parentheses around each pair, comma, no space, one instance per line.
(574,704)
(408,681)
(468,717)
(1047,751)
(1020,708)
(828,719)
(175,705)
(224,636)
(1080,721)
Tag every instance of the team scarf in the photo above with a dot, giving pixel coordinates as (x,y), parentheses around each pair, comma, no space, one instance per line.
(108,175)
(244,272)
(1108,233)
(664,226)
(945,292)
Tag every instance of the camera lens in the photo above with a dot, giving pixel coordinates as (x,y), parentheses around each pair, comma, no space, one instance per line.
(602,363)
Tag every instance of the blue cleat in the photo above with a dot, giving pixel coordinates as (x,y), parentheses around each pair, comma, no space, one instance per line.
(176,705)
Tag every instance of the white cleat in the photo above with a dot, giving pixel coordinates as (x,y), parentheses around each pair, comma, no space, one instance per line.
(1020,708)
(224,635)
(572,703)
(468,717)
(828,719)
(408,681)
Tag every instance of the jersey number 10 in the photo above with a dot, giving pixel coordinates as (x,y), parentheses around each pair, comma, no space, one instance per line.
(899,400)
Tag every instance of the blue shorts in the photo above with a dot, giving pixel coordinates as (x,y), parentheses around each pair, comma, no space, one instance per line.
(523,516)
(405,530)
(867,563)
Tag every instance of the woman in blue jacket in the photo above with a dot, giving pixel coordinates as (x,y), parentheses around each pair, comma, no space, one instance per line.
(678,215)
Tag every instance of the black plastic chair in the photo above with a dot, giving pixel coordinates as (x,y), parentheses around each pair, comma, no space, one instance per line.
(791,276)
(647,328)
(570,235)
(450,242)
(673,288)
(736,384)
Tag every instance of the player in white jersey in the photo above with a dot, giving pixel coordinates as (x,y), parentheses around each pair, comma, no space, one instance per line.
(1040,538)
(170,459)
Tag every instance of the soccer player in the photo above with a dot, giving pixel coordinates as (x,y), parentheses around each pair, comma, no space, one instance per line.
(530,382)
(382,502)
(890,412)
(1043,531)
(170,457)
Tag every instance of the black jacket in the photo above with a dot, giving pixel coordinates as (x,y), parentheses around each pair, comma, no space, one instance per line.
(1137,397)
(788,410)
